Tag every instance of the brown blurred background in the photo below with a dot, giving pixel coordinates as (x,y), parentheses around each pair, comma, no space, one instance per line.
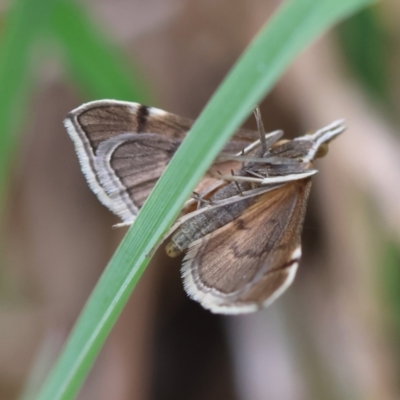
(334,335)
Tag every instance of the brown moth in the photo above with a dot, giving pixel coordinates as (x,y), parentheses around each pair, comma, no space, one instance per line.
(242,243)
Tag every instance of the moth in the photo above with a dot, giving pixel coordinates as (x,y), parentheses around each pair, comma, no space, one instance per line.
(240,231)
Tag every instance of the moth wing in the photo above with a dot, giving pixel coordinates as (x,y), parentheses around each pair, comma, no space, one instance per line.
(248,263)
(124,147)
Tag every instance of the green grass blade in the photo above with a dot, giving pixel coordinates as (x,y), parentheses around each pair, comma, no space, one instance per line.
(96,65)
(23,23)
(295,25)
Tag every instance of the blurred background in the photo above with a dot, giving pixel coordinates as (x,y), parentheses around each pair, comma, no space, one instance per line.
(334,335)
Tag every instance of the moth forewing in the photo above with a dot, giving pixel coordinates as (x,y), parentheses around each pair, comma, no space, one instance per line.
(249,262)
(103,132)
(102,125)
(215,207)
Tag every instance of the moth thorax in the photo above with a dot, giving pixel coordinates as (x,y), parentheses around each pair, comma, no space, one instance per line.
(322,150)
(172,250)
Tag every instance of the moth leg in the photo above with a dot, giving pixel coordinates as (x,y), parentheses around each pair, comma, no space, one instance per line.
(271,179)
(242,154)
(207,191)
(237,185)
(256,175)
(200,200)
(237,178)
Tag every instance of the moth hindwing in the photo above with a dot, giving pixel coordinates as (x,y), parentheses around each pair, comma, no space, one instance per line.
(243,241)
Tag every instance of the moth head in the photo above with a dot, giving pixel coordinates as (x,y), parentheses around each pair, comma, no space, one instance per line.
(172,250)
(322,150)
(320,140)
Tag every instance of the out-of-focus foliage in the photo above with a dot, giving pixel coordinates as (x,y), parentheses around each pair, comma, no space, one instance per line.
(366,45)
(368,50)
(97,66)
(390,273)
(22,25)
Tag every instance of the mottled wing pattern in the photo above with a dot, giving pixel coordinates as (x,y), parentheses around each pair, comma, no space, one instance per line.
(248,263)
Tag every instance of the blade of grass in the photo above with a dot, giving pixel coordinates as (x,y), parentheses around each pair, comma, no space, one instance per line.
(96,65)
(23,23)
(293,27)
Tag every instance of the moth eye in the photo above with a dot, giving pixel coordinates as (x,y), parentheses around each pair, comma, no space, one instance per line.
(172,250)
(322,150)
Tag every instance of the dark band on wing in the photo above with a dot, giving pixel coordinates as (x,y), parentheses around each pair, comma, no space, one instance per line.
(142,114)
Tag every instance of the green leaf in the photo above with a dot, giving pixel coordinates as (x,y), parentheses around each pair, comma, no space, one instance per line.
(294,26)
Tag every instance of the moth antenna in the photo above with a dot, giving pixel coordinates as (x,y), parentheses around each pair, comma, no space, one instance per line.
(238,188)
(261,130)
